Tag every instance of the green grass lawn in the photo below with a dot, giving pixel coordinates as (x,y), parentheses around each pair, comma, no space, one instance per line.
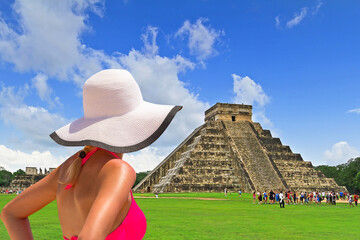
(179,217)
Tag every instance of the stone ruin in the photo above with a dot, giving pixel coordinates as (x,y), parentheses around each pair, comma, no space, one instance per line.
(34,171)
(31,176)
(231,151)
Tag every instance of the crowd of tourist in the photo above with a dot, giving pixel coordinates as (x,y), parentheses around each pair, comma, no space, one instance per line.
(292,197)
(10,191)
(279,197)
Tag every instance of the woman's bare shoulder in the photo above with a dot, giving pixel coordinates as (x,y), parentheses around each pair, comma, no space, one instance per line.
(117,166)
(115,172)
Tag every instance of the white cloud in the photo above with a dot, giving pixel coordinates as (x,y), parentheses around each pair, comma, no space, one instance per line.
(42,88)
(35,123)
(201,38)
(8,96)
(149,39)
(317,7)
(49,39)
(356,110)
(247,91)
(298,17)
(13,160)
(340,153)
(277,22)
(144,160)
(259,116)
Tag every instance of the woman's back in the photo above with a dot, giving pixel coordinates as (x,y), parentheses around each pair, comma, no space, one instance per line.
(75,203)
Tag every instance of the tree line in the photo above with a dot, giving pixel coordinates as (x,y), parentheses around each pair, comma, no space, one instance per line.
(6,177)
(347,174)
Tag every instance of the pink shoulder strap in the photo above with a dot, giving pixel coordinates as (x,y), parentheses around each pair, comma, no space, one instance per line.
(111,153)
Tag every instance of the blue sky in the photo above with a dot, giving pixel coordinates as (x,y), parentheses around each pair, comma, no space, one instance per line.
(296,62)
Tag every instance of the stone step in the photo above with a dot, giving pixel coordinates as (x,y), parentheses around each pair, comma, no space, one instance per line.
(202,163)
(213,139)
(202,187)
(311,188)
(212,135)
(211,130)
(294,168)
(320,189)
(266,133)
(209,154)
(212,124)
(299,171)
(301,175)
(313,182)
(284,156)
(257,127)
(205,179)
(217,147)
(277,148)
(293,163)
(261,132)
(270,141)
(194,142)
(206,170)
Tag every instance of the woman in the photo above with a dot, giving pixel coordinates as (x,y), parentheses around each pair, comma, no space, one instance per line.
(351,200)
(93,187)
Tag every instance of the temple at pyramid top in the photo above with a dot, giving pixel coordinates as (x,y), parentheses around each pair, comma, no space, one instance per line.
(229,112)
(231,151)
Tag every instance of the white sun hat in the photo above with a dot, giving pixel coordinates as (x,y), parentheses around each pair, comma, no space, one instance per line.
(116,117)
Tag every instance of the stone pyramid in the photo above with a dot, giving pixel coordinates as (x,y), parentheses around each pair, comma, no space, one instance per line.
(231,151)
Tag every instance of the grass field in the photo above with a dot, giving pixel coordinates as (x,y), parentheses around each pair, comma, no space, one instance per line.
(178,216)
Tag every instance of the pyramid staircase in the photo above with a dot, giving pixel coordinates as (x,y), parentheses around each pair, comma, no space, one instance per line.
(205,165)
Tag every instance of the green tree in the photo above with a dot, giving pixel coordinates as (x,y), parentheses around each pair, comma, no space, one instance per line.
(347,174)
(140,176)
(19,172)
(329,171)
(5,178)
(357,181)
